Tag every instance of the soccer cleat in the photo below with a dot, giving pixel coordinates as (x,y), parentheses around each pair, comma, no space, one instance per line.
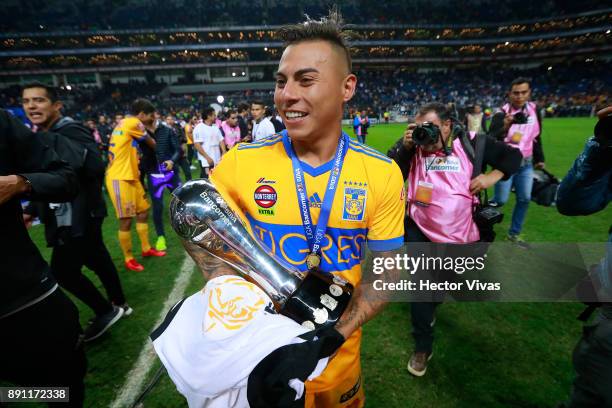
(153,252)
(417,365)
(518,240)
(160,245)
(127,310)
(100,324)
(133,265)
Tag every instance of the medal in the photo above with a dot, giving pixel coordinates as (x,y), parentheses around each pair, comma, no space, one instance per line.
(313,260)
(316,233)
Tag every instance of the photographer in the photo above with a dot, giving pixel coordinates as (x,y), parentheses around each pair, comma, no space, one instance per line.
(585,190)
(434,155)
(519,125)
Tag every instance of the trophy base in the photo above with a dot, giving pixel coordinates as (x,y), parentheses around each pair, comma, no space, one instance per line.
(319,301)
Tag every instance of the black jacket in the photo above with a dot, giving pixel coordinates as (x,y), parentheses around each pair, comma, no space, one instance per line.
(496,130)
(166,148)
(278,125)
(24,274)
(83,155)
(497,154)
(244,127)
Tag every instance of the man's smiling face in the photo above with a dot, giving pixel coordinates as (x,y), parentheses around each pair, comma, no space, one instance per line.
(312,84)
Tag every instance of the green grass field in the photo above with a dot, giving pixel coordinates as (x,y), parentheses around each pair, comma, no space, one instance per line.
(485,354)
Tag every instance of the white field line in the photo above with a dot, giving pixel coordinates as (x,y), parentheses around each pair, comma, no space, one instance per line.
(138,374)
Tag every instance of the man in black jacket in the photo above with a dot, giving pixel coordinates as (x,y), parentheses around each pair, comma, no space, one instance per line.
(441,198)
(243,119)
(39,325)
(159,168)
(182,143)
(74,229)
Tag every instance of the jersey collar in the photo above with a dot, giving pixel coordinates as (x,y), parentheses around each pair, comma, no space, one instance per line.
(313,171)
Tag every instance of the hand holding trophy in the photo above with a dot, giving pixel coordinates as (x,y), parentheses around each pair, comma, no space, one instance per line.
(201,215)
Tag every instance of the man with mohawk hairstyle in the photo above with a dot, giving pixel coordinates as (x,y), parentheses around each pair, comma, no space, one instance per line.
(302,217)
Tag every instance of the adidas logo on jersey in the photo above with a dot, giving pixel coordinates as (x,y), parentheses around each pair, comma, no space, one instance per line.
(314,201)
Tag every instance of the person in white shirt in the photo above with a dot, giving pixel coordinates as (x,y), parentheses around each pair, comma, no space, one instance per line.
(208,142)
(262,127)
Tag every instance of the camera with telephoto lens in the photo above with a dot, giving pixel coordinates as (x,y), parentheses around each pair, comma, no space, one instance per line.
(426,134)
(519,118)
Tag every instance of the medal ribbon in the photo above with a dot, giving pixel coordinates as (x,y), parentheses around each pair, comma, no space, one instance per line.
(315,237)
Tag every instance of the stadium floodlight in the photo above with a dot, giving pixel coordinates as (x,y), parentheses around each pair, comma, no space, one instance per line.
(220,99)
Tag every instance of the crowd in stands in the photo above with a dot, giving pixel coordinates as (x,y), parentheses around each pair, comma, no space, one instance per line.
(563,90)
(62,14)
(571,90)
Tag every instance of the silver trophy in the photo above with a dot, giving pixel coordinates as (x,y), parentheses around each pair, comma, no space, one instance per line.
(200,214)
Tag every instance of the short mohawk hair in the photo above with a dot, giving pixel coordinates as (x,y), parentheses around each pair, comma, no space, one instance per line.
(331,29)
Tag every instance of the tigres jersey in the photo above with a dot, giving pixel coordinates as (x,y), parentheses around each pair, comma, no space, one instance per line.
(123,149)
(368,206)
(189,133)
(368,209)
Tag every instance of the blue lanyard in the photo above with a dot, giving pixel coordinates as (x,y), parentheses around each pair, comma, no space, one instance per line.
(315,237)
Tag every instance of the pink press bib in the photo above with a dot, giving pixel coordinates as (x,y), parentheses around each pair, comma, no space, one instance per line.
(524,134)
(232,134)
(448,217)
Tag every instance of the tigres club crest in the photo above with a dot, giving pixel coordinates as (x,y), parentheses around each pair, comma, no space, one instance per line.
(354,202)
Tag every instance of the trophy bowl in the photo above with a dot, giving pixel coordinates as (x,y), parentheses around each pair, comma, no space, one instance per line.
(200,214)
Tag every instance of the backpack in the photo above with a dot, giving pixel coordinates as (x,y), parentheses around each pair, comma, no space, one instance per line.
(82,138)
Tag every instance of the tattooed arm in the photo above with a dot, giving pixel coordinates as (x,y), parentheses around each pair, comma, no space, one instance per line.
(367,302)
(210,266)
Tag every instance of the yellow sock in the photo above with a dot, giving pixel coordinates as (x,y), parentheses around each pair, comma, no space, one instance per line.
(142,228)
(125,242)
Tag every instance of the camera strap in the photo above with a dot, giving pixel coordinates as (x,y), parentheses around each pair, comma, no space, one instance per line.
(476,154)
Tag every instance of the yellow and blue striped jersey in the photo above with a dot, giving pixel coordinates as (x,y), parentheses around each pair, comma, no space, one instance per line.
(368,206)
